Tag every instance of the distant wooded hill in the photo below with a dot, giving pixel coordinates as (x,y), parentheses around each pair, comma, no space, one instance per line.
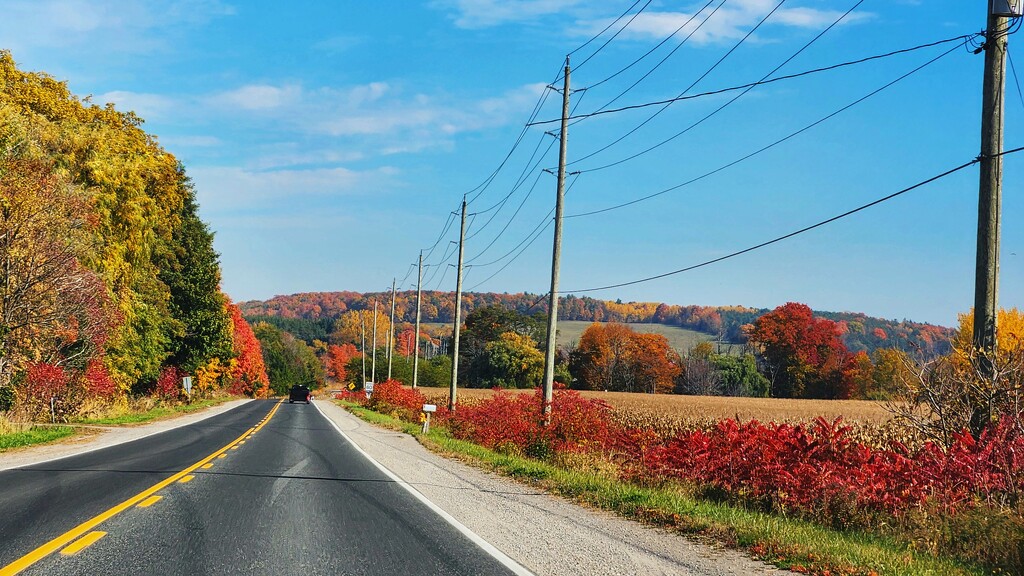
(860,332)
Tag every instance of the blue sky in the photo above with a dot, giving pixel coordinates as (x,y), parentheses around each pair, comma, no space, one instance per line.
(330,141)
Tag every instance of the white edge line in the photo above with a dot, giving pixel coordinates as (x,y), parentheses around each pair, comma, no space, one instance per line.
(486,546)
(119,442)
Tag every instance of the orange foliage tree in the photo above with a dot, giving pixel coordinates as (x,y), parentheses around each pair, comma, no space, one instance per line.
(248,374)
(337,358)
(615,357)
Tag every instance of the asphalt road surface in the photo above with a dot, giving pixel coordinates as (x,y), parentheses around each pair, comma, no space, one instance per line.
(267,488)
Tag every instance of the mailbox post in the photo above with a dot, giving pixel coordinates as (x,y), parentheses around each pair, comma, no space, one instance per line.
(428,409)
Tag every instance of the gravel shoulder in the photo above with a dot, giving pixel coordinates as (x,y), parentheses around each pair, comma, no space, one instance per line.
(544,533)
(97,437)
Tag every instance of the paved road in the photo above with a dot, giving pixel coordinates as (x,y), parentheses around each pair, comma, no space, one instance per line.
(266,488)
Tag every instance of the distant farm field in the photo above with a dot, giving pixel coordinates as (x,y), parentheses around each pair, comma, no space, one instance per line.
(680,339)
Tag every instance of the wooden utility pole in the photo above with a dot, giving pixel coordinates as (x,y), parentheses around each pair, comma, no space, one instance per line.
(452,389)
(373,369)
(549,358)
(391,330)
(416,344)
(362,348)
(986,279)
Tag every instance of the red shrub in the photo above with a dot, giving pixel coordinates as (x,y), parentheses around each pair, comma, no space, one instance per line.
(391,397)
(168,385)
(508,420)
(97,380)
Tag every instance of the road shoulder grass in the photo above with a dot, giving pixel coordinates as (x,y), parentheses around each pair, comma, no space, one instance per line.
(34,435)
(23,435)
(786,542)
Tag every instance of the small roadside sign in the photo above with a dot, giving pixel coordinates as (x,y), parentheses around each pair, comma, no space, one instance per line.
(368,387)
(187,383)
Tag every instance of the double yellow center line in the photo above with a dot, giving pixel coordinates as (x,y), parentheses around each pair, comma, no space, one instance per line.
(144,498)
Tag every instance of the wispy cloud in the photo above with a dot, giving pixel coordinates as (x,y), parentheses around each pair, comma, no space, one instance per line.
(229,189)
(729,22)
(487,13)
(258,97)
(117,25)
(150,106)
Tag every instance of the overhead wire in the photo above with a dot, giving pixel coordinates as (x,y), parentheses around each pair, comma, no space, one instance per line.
(528,241)
(690,87)
(651,51)
(768,146)
(664,59)
(961,38)
(734,98)
(617,32)
(794,233)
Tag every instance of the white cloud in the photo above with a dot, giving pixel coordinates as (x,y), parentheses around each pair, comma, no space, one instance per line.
(259,97)
(487,13)
(230,189)
(147,106)
(732,21)
(116,25)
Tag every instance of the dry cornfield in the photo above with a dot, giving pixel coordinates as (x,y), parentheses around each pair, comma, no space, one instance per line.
(871,423)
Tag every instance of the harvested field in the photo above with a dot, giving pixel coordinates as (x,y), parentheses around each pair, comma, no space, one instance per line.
(669,414)
(717,407)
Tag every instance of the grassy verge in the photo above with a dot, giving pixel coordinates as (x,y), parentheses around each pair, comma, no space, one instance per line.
(786,542)
(155,413)
(32,436)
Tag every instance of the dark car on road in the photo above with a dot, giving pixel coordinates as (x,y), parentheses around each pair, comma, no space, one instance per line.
(299,393)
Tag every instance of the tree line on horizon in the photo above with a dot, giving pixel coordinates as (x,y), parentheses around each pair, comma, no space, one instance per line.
(858,331)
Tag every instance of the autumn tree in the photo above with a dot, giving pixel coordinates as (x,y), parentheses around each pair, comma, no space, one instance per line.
(803,355)
(248,372)
(487,326)
(52,309)
(349,330)
(511,361)
(289,361)
(615,357)
(337,358)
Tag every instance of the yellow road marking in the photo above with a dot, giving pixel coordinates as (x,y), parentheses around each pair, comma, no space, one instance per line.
(207,466)
(242,442)
(149,501)
(222,456)
(234,447)
(83,543)
(184,479)
(76,532)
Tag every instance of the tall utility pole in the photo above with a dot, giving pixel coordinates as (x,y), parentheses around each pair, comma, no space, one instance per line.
(391,330)
(458,313)
(416,344)
(986,279)
(549,358)
(362,349)
(373,369)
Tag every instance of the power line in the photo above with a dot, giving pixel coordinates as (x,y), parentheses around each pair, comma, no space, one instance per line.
(663,60)
(1016,79)
(652,50)
(767,147)
(601,112)
(606,28)
(690,87)
(617,32)
(736,97)
(797,232)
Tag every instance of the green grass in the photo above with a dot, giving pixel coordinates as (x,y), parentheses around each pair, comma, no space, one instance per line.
(34,436)
(785,542)
(155,413)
